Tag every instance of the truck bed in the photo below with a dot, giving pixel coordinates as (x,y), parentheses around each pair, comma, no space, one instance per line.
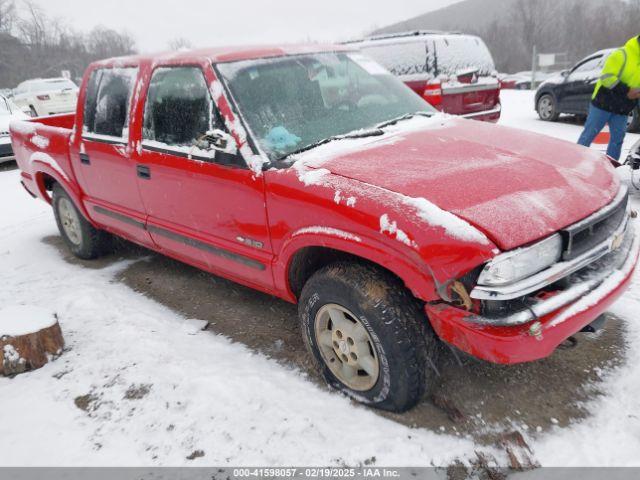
(41,147)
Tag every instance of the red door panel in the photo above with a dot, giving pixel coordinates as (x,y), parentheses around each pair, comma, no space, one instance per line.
(107,175)
(208,214)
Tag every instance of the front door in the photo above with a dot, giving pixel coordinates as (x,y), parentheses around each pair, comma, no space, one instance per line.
(204,206)
(579,85)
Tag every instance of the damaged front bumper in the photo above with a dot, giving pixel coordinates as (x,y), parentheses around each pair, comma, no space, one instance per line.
(545,321)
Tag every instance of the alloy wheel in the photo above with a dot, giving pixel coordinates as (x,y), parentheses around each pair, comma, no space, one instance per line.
(346,347)
(70,221)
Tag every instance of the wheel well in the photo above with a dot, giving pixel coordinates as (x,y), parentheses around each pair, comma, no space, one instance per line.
(542,93)
(46,182)
(309,260)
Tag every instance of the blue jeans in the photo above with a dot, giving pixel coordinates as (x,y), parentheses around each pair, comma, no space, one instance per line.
(596,121)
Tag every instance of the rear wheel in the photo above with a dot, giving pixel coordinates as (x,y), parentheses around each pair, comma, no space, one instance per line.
(368,336)
(83,239)
(547,108)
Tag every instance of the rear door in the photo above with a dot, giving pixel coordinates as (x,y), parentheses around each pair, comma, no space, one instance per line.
(578,88)
(205,207)
(101,156)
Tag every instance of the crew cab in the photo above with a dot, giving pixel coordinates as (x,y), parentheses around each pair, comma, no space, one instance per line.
(312,174)
(453,72)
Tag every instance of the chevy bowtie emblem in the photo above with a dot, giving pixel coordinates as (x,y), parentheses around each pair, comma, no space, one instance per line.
(617,241)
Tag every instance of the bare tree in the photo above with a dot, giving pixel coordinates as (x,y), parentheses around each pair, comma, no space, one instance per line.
(32,44)
(104,42)
(179,43)
(7,15)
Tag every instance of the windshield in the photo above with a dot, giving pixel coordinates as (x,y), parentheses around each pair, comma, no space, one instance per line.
(52,85)
(294,102)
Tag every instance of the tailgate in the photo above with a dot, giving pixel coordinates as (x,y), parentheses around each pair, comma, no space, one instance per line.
(460,99)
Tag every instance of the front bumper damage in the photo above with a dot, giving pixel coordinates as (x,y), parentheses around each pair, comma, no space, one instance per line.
(583,290)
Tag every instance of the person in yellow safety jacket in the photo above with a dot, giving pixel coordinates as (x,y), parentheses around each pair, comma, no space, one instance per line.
(615,97)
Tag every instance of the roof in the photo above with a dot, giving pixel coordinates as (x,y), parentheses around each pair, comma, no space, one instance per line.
(227,54)
(410,33)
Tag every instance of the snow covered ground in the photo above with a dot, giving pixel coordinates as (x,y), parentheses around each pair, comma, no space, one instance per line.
(140,385)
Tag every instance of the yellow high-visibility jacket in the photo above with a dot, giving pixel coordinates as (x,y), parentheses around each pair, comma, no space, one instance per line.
(621,73)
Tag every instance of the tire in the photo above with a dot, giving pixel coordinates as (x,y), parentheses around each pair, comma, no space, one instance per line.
(633,125)
(547,108)
(82,238)
(367,301)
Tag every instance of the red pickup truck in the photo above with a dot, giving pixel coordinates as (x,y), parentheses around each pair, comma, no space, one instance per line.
(312,174)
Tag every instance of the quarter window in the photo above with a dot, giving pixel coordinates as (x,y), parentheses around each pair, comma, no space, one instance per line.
(179,110)
(106,108)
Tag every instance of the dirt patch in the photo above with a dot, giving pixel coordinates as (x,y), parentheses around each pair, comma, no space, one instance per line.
(87,403)
(195,454)
(137,392)
(471,396)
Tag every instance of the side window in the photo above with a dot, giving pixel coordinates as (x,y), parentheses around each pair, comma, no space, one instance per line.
(179,110)
(584,69)
(106,107)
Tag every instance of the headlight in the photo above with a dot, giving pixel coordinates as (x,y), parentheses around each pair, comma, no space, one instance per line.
(512,266)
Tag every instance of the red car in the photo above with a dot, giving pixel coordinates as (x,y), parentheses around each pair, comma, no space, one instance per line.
(453,72)
(312,174)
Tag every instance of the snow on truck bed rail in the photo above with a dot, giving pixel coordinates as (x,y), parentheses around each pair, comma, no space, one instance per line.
(24,127)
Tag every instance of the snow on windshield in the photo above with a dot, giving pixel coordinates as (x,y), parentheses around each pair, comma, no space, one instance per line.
(296,101)
(433,55)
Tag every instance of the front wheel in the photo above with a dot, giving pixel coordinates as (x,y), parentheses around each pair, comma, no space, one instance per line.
(633,122)
(83,239)
(547,108)
(368,336)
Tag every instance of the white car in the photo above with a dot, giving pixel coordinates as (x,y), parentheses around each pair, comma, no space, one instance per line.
(8,112)
(46,96)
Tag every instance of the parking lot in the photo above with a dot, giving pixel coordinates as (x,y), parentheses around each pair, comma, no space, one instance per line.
(201,343)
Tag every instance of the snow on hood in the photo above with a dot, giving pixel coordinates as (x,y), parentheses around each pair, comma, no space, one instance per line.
(513,186)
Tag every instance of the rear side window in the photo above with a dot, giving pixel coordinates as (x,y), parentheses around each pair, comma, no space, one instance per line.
(179,109)
(107,102)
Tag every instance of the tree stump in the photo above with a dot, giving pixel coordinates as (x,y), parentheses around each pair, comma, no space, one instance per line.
(29,338)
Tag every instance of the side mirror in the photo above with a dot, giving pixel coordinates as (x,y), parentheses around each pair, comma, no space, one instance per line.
(220,141)
(565,73)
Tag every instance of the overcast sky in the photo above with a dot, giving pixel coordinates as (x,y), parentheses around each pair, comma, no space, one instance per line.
(212,22)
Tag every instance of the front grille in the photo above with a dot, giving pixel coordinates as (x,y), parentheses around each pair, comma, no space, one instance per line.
(587,234)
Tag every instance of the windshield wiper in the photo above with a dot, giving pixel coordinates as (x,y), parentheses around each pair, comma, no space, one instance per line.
(406,116)
(373,132)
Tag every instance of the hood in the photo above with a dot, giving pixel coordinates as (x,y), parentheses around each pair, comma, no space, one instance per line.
(514,186)
(555,79)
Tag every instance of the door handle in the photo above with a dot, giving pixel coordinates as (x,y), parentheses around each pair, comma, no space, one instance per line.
(143,171)
(84,159)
